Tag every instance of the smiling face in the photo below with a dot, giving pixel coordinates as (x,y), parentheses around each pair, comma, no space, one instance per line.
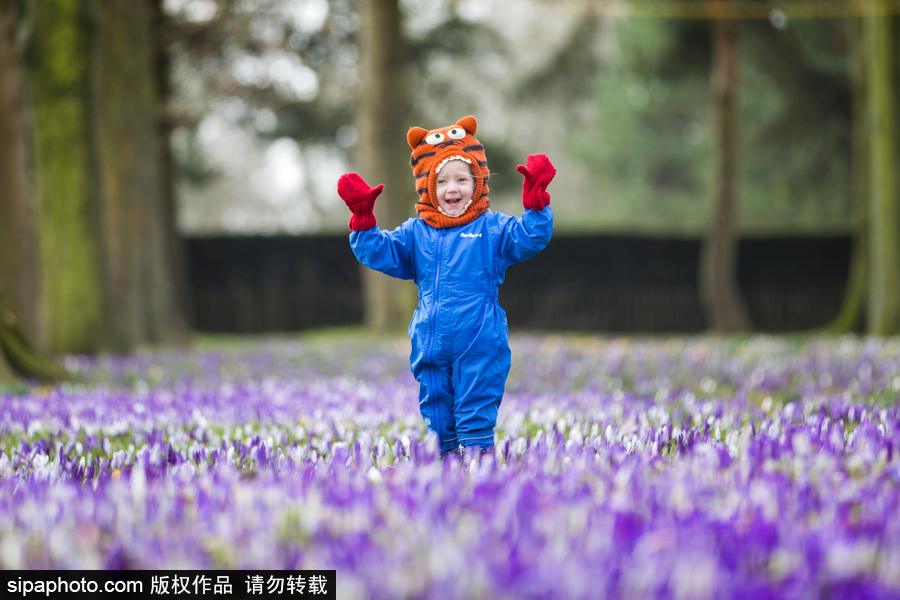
(454,186)
(453,202)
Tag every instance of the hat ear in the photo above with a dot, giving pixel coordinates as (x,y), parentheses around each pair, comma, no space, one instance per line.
(469,124)
(415,135)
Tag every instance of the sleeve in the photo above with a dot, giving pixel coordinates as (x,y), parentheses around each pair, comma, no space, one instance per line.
(387,251)
(523,237)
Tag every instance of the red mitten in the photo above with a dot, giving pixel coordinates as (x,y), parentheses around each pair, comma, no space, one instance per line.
(538,172)
(360,199)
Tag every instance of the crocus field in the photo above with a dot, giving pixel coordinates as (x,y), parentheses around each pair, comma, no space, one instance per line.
(678,467)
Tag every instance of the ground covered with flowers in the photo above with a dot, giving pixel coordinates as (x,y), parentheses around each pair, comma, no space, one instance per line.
(684,468)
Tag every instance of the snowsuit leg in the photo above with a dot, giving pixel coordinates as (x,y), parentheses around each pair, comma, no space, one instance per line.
(478,387)
(479,374)
(436,403)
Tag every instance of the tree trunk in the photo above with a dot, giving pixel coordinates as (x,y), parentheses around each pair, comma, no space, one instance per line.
(18,245)
(884,198)
(106,242)
(852,315)
(139,285)
(382,121)
(118,134)
(719,292)
(68,211)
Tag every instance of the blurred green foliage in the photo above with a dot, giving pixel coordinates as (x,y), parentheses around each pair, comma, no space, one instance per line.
(648,146)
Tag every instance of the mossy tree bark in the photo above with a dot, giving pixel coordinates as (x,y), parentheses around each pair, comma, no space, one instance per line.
(68,208)
(881,51)
(719,292)
(105,227)
(852,315)
(19,286)
(383,154)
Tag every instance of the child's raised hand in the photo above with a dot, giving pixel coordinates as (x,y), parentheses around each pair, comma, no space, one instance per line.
(360,199)
(538,172)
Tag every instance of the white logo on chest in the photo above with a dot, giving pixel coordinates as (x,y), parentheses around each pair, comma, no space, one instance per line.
(470,235)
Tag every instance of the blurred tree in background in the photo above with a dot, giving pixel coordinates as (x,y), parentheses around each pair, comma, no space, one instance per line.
(871,302)
(19,266)
(806,155)
(66,204)
(719,293)
(18,259)
(107,264)
(881,47)
(18,244)
(382,120)
(89,260)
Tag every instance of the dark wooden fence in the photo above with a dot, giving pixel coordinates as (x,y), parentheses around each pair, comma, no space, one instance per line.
(616,284)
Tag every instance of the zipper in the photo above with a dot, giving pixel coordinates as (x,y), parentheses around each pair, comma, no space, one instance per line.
(434,310)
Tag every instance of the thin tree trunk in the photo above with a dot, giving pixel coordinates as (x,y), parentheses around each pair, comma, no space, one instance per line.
(852,315)
(19,281)
(382,121)
(68,211)
(884,208)
(721,298)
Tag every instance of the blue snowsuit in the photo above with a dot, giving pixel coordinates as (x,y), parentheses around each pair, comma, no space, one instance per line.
(460,341)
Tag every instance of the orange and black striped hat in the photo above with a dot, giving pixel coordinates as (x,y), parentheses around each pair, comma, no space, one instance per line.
(431,150)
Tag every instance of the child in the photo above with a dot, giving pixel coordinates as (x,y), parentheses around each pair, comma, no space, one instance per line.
(457,252)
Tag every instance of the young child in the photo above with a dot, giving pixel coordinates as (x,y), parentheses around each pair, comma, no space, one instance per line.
(457,252)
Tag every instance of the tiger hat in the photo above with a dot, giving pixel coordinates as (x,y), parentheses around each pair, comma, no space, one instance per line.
(431,150)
